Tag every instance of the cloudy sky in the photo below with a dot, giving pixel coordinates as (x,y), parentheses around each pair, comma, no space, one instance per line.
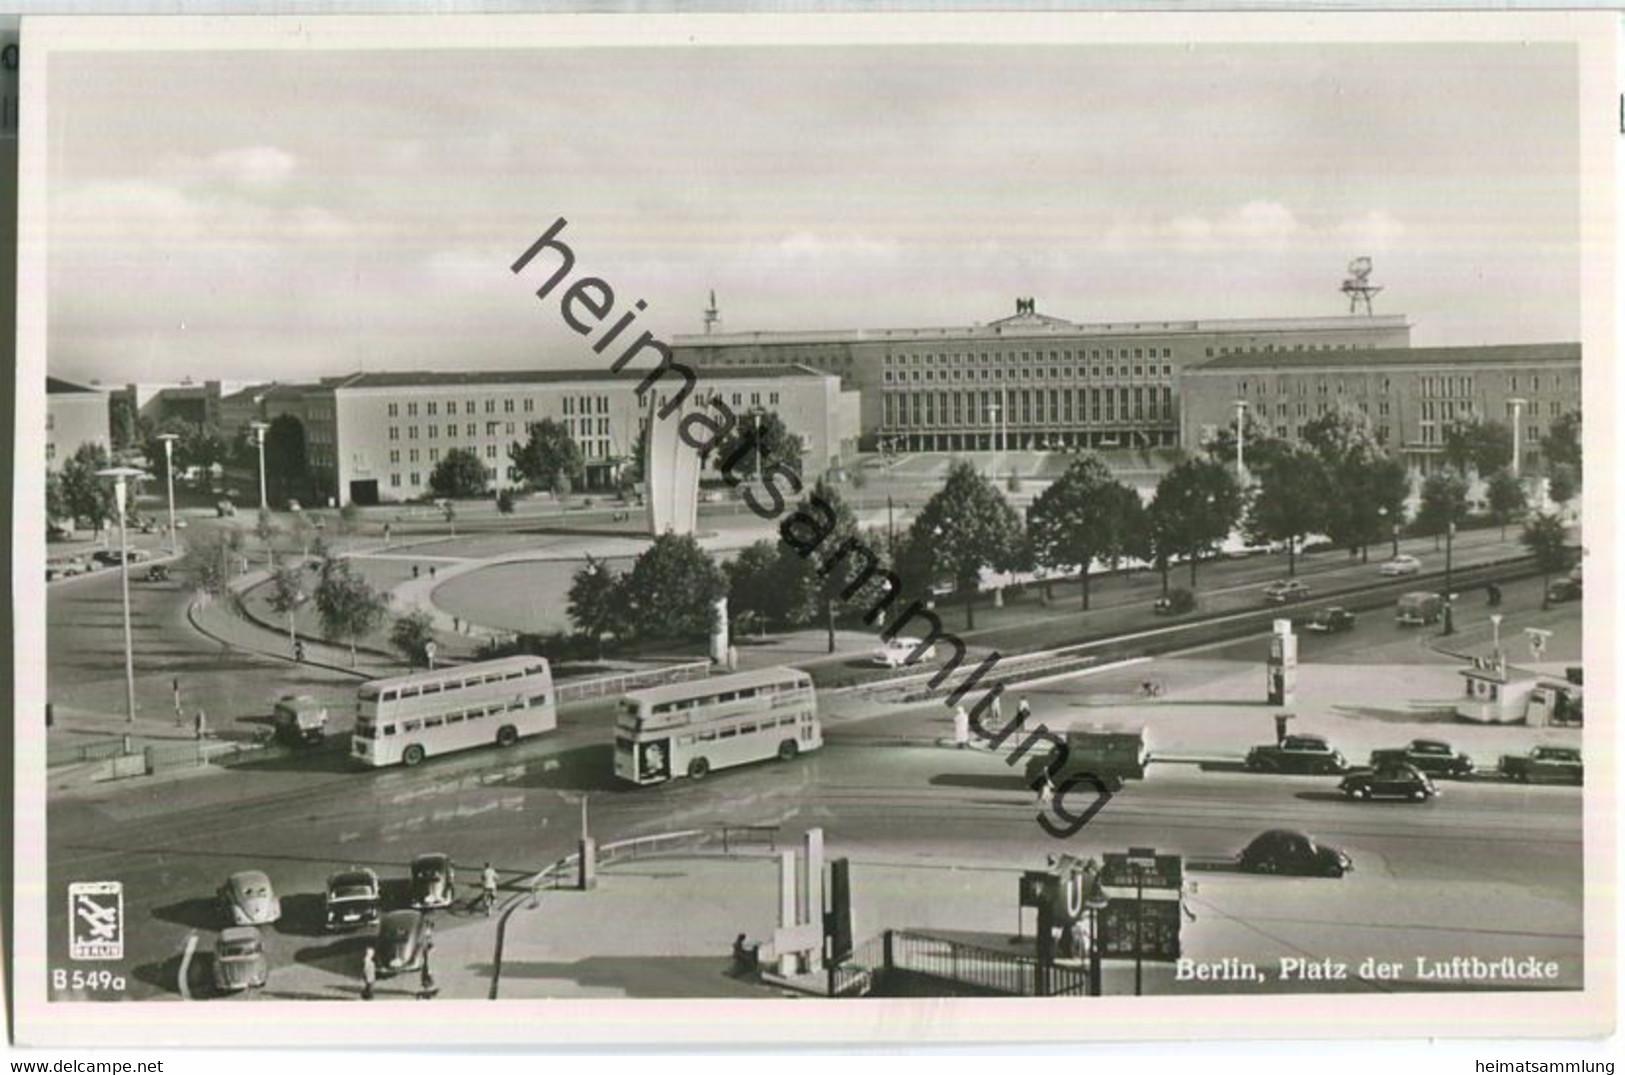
(293,214)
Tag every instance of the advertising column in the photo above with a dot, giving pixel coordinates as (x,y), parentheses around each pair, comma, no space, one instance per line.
(1283,663)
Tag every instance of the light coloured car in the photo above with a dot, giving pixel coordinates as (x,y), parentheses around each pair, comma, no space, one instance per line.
(897,652)
(1400,566)
(249,900)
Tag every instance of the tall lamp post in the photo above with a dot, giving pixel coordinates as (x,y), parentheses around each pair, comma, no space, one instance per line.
(169,440)
(1517,436)
(121,498)
(259,429)
(1449,591)
(993,423)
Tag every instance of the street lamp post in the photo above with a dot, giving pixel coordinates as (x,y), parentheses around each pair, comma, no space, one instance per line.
(259,429)
(993,422)
(169,440)
(121,497)
(1449,590)
(1517,436)
(1495,623)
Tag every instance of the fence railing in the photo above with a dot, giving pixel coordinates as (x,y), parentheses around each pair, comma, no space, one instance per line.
(949,960)
(603,686)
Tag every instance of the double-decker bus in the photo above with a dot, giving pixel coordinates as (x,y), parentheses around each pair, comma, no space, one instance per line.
(705,724)
(408,718)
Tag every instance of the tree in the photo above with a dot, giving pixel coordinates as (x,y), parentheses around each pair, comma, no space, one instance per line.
(597,593)
(1198,503)
(347,605)
(1477,445)
(966,527)
(672,588)
(505,502)
(412,634)
(1292,501)
(1258,449)
(287,462)
(1083,517)
(774,444)
(84,494)
(758,588)
(121,421)
(459,474)
(1367,487)
(821,524)
(286,595)
(206,560)
(1507,499)
(1444,503)
(1546,538)
(56,502)
(1563,442)
(1563,483)
(266,530)
(549,459)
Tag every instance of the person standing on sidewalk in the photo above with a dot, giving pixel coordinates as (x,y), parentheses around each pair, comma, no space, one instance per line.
(1046,791)
(961,727)
(175,685)
(369,972)
(1023,711)
(200,725)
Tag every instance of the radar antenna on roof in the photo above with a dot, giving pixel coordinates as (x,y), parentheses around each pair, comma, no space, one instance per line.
(1358,286)
(713,316)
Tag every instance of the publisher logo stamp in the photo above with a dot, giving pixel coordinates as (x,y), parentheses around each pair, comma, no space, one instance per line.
(96,920)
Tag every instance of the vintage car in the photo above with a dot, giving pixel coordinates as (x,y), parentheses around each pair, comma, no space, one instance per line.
(1288,852)
(1296,754)
(239,960)
(1432,756)
(352,898)
(1567,588)
(1400,565)
(896,653)
(249,900)
(403,938)
(1328,620)
(157,573)
(1545,765)
(434,881)
(1393,780)
(1418,609)
(1177,602)
(300,720)
(1285,591)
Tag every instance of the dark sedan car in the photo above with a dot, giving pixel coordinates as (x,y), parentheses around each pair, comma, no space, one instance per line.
(434,881)
(1328,620)
(1433,756)
(352,898)
(1296,754)
(403,937)
(1287,852)
(1391,781)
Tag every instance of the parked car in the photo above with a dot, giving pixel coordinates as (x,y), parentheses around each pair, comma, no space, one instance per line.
(157,573)
(249,899)
(1327,620)
(1176,602)
(239,960)
(225,509)
(1287,590)
(61,569)
(402,938)
(1296,754)
(1564,589)
(1288,852)
(106,557)
(1391,780)
(896,653)
(1400,565)
(1419,609)
(1545,765)
(352,898)
(1432,756)
(434,881)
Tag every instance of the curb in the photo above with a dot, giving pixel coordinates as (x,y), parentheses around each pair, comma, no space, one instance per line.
(194,618)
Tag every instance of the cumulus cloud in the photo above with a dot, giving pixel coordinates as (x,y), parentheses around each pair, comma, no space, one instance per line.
(253,167)
(1257,225)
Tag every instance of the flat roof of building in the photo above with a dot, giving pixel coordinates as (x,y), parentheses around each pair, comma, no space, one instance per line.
(1044,325)
(56,386)
(630,376)
(1489,354)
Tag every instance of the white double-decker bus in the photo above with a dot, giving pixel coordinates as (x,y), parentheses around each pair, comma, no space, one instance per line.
(408,718)
(694,727)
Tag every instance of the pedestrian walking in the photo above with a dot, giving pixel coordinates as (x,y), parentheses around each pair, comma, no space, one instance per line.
(456,625)
(200,725)
(998,706)
(1046,791)
(414,570)
(1023,711)
(961,727)
(299,649)
(431,571)
(369,972)
(180,717)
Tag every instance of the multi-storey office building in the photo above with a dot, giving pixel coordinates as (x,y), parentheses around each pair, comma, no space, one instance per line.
(1411,395)
(1031,380)
(387,431)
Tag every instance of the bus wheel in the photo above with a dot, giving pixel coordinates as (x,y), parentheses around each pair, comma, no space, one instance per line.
(507,735)
(788,750)
(412,755)
(698,768)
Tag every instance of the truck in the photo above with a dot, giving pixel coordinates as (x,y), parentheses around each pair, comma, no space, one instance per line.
(300,720)
(1111,754)
(1419,609)
(1544,765)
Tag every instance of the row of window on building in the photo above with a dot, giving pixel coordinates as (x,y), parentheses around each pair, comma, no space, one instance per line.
(1270,348)
(1031,406)
(963,358)
(575,427)
(1035,373)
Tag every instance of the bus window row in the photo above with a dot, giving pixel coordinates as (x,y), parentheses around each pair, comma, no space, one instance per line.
(748,728)
(766,691)
(414,690)
(409,726)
